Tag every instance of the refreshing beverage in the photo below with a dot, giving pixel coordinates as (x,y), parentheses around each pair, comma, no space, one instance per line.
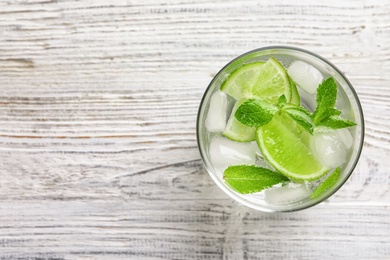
(280,129)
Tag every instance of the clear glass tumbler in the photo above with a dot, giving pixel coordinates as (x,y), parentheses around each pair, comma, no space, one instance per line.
(347,101)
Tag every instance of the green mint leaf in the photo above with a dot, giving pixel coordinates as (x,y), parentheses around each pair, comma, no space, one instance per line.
(255,112)
(301,116)
(282,100)
(328,183)
(334,112)
(326,100)
(247,179)
(336,122)
(326,114)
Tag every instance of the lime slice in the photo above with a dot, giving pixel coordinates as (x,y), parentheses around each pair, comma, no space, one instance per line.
(295,98)
(273,82)
(237,131)
(286,146)
(267,81)
(240,83)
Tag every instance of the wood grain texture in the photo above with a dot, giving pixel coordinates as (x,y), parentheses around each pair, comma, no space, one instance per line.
(98,154)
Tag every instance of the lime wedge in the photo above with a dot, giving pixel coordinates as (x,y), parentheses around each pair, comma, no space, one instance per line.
(295,98)
(267,81)
(237,131)
(286,146)
(240,83)
(273,82)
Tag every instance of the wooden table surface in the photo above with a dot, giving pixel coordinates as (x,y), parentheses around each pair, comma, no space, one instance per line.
(98,153)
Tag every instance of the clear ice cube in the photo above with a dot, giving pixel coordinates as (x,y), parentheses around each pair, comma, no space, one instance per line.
(286,195)
(332,147)
(217,113)
(307,100)
(225,152)
(344,105)
(305,75)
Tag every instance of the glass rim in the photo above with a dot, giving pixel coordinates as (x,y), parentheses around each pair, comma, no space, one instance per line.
(259,207)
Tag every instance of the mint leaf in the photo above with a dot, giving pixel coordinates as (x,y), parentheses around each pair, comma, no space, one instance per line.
(334,112)
(282,100)
(336,122)
(302,117)
(328,183)
(255,112)
(326,114)
(326,100)
(247,179)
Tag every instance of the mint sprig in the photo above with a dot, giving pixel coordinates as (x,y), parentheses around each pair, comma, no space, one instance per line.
(255,112)
(336,122)
(247,179)
(301,116)
(325,113)
(326,100)
(328,183)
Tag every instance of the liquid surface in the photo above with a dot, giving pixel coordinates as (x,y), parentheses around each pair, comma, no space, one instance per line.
(224,152)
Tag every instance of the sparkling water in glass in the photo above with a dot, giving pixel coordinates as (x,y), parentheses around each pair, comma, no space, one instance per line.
(339,148)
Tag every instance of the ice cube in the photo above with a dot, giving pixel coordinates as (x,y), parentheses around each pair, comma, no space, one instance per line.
(260,161)
(344,105)
(286,195)
(225,152)
(332,147)
(216,116)
(307,100)
(305,75)
(346,137)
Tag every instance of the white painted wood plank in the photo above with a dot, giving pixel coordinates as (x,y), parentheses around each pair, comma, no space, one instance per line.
(98,104)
